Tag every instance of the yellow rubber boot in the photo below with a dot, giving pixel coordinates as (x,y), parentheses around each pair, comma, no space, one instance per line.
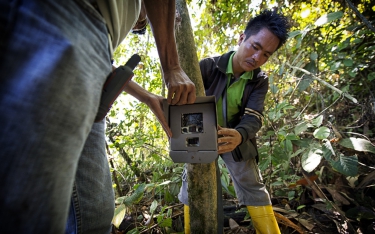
(264,220)
(186,219)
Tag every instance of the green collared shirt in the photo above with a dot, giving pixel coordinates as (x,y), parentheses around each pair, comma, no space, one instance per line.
(234,91)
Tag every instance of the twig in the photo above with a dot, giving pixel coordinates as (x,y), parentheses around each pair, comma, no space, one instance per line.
(365,21)
(325,83)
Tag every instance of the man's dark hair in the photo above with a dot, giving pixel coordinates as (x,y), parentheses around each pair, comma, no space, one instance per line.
(277,23)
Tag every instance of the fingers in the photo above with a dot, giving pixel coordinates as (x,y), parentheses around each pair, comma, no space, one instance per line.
(191,97)
(181,95)
(226,131)
(181,90)
(228,139)
(156,105)
(166,128)
(226,147)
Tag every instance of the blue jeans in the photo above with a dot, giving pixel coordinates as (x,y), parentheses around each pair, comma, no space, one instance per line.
(92,205)
(54,59)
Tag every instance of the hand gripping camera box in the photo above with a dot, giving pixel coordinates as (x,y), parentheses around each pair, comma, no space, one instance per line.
(194,131)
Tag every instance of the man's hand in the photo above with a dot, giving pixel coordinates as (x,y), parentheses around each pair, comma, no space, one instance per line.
(181,90)
(161,15)
(155,103)
(229,139)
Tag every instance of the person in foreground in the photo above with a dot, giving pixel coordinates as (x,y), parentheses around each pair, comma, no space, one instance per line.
(240,88)
(54,60)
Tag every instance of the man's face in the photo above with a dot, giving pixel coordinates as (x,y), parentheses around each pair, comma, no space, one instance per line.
(254,51)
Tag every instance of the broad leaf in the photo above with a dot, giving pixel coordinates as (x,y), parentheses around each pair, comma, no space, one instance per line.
(307,79)
(294,33)
(348,62)
(165,222)
(288,145)
(371,76)
(153,206)
(328,150)
(273,88)
(311,159)
(325,19)
(136,196)
(313,56)
(358,144)
(318,121)
(120,212)
(303,143)
(322,133)
(299,128)
(347,165)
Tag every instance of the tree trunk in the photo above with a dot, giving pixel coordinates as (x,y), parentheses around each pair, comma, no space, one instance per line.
(202,178)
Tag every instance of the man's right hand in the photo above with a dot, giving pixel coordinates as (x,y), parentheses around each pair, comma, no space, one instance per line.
(181,90)
(161,15)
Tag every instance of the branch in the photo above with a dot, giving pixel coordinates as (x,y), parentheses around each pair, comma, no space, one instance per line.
(365,21)
(325,83)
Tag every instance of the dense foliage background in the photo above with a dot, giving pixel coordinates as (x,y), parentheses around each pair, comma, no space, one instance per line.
(317,143)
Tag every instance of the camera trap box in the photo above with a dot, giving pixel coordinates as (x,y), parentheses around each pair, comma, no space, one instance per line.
(194,131)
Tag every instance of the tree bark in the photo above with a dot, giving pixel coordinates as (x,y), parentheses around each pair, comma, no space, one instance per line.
(202,178)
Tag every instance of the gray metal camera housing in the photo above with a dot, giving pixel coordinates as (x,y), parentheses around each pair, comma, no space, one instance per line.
(194,131)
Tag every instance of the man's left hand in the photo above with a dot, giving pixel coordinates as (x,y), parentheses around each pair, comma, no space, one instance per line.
(229,139)
(155,103)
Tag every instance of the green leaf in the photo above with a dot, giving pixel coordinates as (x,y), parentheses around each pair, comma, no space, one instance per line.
(291,195)
(358,144)
(328,150)
(335,66)
(297,152)
(294,33)
(120,200)
(322,133)
(347,165)
(165,222)
(311,159)
(313,56)
(317,121)
(348,62)
(273,88)
(371,76)
(301,127)
(168,197)
(281,70)
(265,162)
(153,206)
(303,143)
(291,136)
(133,231)
(120,212)
(288,145)
(307,79)
(136,196)
(325,19)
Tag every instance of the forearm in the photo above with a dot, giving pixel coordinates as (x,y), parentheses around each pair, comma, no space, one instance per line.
(161,15)
(137,91)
